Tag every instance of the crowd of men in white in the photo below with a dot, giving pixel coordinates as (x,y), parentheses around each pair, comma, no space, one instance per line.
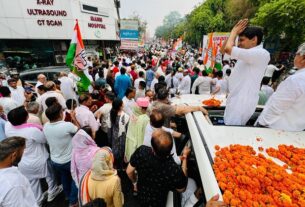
(241,85)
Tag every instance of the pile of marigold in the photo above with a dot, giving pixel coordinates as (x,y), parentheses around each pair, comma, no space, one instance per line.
(212,102)
(249,179)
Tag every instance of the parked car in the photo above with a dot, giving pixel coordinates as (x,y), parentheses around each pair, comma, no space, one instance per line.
(51,72)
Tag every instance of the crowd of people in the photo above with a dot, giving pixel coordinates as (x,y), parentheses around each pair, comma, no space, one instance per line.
(80,143)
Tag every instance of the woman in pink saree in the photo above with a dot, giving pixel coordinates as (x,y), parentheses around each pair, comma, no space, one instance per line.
(83,151)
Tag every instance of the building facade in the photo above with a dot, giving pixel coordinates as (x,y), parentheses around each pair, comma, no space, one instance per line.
(39,31)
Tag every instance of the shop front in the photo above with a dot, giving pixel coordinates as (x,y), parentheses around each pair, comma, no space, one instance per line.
(37,33)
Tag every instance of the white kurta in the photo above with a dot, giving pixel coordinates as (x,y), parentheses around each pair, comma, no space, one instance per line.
(204,85)
(17,95)
(37,85)
(8,104)
(225,68)
(244,84)
(153,83)
(172,83)
(223,84)
(42,99)
(34,160)
(285,109)
(185,85)
(74,79)
(85,117)
(15,189)
(147,140)
(137,82)
(67,88)
(129,105)
(270,70)
(267,90)
(105,111)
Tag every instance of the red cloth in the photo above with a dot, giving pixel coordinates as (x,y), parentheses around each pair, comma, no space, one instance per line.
(115,70)
(134,75)
(154,62)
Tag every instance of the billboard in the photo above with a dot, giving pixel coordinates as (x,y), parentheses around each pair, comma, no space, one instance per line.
(129,45)
(129,34)
(128,24)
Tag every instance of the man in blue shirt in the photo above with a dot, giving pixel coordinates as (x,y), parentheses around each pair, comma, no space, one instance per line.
(149,76)
(121,83)
(2,124)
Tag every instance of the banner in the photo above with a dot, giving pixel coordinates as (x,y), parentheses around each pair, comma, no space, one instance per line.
(129,45)
(212,43)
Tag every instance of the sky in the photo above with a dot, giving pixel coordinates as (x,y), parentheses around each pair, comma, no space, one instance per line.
(153,11)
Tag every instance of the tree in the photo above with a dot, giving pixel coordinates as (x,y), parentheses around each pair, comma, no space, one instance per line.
(142,23)
(283,19)
(170,21)
(239,9)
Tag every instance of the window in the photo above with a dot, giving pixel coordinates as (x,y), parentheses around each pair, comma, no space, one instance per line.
(94,10)
(90,8)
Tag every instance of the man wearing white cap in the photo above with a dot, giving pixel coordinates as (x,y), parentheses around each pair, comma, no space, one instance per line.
(185,84)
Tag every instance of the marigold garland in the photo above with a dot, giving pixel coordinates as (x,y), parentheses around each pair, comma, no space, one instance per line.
(249,179)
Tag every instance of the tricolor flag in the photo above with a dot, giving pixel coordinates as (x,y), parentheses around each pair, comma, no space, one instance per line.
(76,60)
(209,55)
(218,57)
(178,44)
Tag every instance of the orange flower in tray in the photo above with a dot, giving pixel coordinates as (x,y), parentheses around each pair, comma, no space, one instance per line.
(212,102)
(248,179)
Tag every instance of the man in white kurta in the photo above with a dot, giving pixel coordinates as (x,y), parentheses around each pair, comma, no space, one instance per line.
(41,80)
(185,84)
(285,109)
(67,86)
(15,188)
(17,92)
(84,115)
(245,80)
(33,164)
(204,85)
(51,87)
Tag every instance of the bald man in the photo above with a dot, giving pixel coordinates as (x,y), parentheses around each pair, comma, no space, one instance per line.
(157,171)
(51,92)
(41,80)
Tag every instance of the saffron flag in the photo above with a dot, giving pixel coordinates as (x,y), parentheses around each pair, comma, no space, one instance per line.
(213,57)
(76,60)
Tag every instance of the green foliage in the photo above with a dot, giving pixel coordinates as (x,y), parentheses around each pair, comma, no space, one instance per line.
(142,23)
(171,26)
(284,19)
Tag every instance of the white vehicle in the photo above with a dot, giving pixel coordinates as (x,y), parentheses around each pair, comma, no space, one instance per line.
(207,131)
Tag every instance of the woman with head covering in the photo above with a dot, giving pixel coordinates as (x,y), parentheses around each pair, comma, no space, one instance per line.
(83,151)
(101,181)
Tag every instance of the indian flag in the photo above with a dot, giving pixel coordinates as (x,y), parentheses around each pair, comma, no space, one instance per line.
(209,55)
(178,44)
(76,60)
